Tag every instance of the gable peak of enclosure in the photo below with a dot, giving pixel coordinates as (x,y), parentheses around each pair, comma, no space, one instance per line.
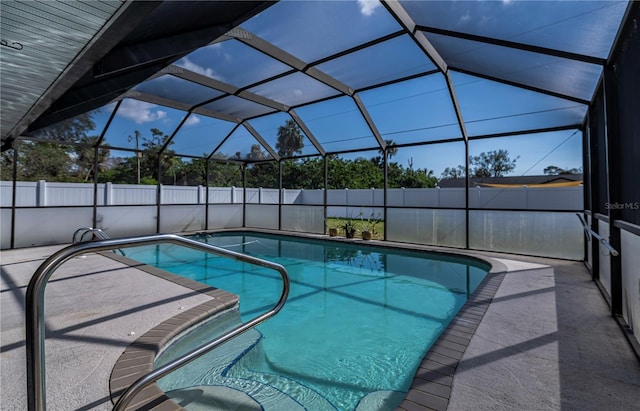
(342,76)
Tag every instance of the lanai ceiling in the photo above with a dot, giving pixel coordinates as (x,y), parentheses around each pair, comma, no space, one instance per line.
(220,78)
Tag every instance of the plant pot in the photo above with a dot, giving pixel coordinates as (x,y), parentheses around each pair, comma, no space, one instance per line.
(366,235)
(333,232)
(350,233)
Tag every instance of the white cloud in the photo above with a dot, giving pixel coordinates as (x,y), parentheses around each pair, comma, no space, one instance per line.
(220,51)
(367,7)
(140,111)
(192,120)
(465,18)
(190,65)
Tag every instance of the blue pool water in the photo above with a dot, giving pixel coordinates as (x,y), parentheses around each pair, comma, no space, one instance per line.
(356,325)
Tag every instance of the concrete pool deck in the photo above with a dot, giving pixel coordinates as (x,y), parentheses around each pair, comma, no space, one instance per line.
(546,341)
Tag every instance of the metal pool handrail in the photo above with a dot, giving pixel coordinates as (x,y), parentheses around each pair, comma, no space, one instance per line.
(35,332)
(101,235)
(598,237)
(84,231)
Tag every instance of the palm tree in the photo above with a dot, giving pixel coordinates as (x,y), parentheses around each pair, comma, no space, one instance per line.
(392,150)
(85,156)
(256,153)
(290,140)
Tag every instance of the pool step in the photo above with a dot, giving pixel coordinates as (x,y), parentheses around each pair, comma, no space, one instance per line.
(210,397)
(248,394)
(305,397)
(383,400)
(236,395)
(253,367)
(209,368)
(225,379)
(206,385)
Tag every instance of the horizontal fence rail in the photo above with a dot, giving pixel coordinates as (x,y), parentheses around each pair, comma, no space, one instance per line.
(47,194)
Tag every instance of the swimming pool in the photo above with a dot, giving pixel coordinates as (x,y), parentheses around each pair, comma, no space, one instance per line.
(357,323)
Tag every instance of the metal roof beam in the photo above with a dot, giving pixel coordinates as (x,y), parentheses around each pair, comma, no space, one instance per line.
(359,47)
(261,140)
(161,101)
(308,132)
(629,19)
(367,117)
(215,114)
(456,105)
(171,137)
(328,80)
(514,45)
(225,88)
(398,80)
(256,98)
(224,140)
(526,132)
(267,48)
(201,79)
(282,56)
(406,21)
(520,85)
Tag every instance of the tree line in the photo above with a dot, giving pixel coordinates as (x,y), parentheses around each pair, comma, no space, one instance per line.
(76,162)
(56,161)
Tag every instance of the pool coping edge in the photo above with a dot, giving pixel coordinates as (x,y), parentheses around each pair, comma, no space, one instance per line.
(432,382)
(138,358)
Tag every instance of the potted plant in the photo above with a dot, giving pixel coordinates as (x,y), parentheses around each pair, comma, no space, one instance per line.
(349,227)
(332,228)
(369,226)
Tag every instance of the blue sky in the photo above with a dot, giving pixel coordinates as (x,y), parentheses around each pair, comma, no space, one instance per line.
(412,111)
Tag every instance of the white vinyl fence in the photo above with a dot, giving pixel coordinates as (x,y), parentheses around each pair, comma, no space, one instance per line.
(49,213)
(45,194)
